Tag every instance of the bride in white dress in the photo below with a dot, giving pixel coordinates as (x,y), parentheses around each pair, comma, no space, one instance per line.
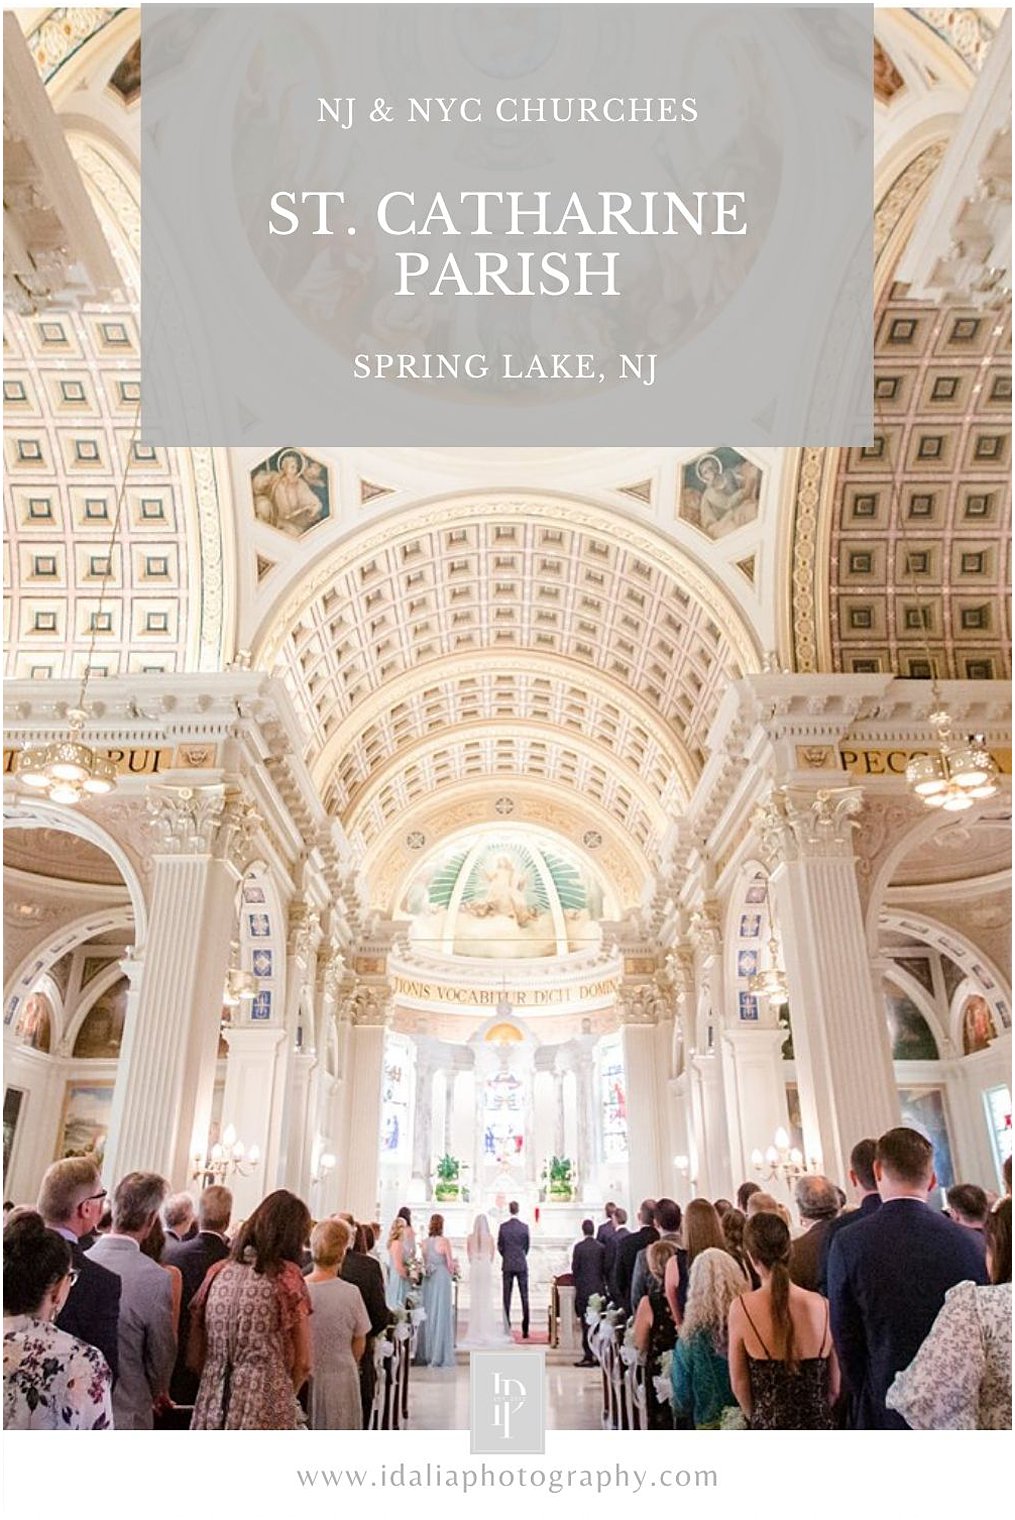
(485,1322)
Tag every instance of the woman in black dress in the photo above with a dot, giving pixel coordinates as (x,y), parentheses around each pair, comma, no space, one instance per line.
(655,1332)
(783,1367)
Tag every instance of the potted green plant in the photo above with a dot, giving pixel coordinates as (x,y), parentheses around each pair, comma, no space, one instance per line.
(561,1180)
(446,1189)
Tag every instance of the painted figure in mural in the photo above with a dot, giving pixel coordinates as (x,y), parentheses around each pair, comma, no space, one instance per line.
(727,495)
(283,497)
(505,893)
(977,1026)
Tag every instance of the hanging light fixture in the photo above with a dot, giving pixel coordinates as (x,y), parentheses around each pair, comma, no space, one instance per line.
(956,775)
(771,983)
(68,770)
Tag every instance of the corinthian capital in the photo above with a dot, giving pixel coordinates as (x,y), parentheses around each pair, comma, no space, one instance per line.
(304,928)
(706,931)
(213,820)
(795,825)
(680,970)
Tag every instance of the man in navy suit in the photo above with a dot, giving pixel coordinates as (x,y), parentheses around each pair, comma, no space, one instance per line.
(861,1175)
(888,1276)
(513,1245)
(71,1201)
(194,1257)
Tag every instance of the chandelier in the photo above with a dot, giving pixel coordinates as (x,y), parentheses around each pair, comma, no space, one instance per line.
(782,1162)
(959,773)
(68,770)
(227,1156)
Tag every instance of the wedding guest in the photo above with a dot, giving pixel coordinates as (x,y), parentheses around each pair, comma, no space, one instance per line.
(699,1370)
(146,1339)
(627,1253)
(71,1201)
(969,1207)
(249,1332)
(668,1220)
(363,1270)
(960,1379)
(746,1191)
(702,1232)
(588,1259)
(620,1233)
(339,1329)
(179,1218)
(52,1380)
(154,1247)
(888,1276)
(817,1202)
(654,1331)
(783,1367)
(733,1233)
(193,1258)
(864,1183)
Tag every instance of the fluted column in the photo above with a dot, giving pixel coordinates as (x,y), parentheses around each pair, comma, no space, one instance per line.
(643,1148)
(301,1030)
(758,1082)
(363,1109)
(840,1039)
(558,1112)
(711,1161)
(247,1105)
(162,1104)
(585,1099)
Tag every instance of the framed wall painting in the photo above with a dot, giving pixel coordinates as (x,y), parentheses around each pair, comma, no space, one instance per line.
(84,1124)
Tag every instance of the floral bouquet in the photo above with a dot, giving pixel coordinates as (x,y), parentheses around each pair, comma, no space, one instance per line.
(414,1271)
(662,1382)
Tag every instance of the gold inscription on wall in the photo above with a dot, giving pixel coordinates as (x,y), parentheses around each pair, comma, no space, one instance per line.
(865,760)
(148,762)
(522,997)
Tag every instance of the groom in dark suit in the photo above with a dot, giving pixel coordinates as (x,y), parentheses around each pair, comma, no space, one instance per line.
(513,1246)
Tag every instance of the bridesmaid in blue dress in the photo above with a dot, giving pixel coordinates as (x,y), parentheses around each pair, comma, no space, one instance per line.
(436,1344)
(398,1260)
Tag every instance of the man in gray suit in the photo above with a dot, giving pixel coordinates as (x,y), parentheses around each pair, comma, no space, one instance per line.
(146,1341)
(513,1245)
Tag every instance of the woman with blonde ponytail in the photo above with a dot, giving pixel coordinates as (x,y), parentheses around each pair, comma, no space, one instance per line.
(783,1368)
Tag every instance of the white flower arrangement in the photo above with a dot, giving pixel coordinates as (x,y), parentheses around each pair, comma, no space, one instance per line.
(417,1314)
(662,1381)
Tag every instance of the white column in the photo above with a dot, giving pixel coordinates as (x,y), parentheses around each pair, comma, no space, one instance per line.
(300,965)
(586,1155)
(840,1039)
(710,1164)
(363,1117)
(756,1076)
(247,1104)
(642,1116)
(163,1099)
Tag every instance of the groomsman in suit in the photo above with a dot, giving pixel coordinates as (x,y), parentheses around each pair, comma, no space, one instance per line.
(620,1232)
(71,1202)
(608,1228)
(513,1245)
(147,1341)
(194,1257)
(888,1276)
(588,1268)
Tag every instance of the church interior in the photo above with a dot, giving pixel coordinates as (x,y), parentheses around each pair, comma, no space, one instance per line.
(441,827)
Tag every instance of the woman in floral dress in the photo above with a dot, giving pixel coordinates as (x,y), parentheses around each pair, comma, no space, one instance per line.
(52,1381)
(249,1336)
